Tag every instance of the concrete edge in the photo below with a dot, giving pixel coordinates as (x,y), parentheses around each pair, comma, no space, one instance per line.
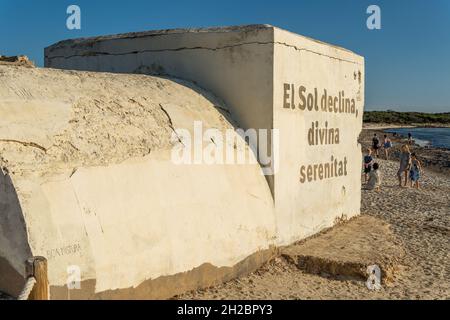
(167,287)
(160,32)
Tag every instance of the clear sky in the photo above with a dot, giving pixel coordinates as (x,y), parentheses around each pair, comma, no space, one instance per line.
(407,61)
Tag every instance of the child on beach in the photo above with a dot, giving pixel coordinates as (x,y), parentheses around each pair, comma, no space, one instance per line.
(368,159)
(415,171)
(374,182)
(386,146)
(405,162)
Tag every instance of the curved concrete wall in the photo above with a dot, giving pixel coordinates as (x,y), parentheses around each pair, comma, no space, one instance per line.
(93,188)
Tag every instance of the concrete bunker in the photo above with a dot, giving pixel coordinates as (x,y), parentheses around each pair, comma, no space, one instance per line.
(100,191)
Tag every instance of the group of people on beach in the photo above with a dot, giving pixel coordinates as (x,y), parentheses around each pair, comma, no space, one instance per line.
(376,145)
(410,166)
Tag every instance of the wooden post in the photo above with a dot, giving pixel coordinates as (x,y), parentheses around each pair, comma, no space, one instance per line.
(37,267)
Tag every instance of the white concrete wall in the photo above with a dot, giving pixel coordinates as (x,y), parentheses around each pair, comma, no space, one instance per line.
(306,208)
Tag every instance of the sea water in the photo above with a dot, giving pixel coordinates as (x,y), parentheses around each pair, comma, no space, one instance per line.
(433,137)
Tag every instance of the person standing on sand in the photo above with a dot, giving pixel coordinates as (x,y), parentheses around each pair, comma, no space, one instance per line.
(374,182)
(386,146)
(405,162)
(368,159)
(375,144)
(415,171)
(410,139)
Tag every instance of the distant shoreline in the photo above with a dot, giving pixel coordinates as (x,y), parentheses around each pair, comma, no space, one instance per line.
(394,119)
(386,126)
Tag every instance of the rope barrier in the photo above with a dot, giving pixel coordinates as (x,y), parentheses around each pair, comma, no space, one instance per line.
(29,285)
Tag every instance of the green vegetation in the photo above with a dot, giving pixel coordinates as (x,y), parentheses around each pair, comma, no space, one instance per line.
(406,117)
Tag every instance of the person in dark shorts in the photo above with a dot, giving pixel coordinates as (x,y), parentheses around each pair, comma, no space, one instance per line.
(410,139)
(386,146)
(375,144)
(367,164)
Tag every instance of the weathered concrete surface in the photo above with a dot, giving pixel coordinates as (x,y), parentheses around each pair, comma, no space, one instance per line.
(87,180)
(235,63)
(259,71)
(349,249)
(305,207)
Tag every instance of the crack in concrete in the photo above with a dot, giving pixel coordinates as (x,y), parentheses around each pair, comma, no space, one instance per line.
(171,123)
(315,52)
(24,143)
(91,53)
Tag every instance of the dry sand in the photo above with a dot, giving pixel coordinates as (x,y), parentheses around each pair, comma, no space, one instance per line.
(420,222)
